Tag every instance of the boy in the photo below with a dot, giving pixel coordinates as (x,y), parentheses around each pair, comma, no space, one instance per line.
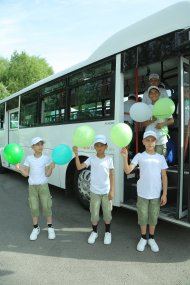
(38,167)
(159,126)
(152,174)
(101,186)
(154,80)
(127,105)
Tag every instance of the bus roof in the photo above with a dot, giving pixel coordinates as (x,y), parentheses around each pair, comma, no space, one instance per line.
(170,19)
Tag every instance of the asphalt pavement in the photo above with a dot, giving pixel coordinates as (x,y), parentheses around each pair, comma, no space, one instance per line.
(69,259)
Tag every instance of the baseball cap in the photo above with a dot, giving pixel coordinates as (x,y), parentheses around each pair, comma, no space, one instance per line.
(149,133)
(36,140)
(132,96)
(154,76)
(100,139)
(153,87)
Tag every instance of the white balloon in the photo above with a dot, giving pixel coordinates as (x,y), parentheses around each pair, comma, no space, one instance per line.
(140,112)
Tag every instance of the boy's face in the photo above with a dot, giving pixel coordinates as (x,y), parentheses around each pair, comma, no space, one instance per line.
(154,95)
(38,147)
(100,148)
(149,142)
(154,82)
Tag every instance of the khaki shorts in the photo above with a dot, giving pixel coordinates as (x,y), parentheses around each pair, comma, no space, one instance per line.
(97,200)
(40,194)
(148,211)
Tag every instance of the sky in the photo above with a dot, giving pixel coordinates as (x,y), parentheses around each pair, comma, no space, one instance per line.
(66,32)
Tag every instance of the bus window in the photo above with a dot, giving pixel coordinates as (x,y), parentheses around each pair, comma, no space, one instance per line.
(53,108)
(52,97)
(12,104)
(91,100)
(14,120)
(90,73)
(29,110)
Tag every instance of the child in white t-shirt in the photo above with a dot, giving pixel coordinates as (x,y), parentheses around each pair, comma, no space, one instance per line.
(153,179)
(38,167)
(159,126)
(101,186)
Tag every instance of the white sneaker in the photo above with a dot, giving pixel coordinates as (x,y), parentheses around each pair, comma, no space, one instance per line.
(92,238)
(153,245)
(34,234)
(51,233)
(141,244)
(107,238)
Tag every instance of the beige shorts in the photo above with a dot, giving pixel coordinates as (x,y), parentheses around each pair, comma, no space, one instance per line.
(97,200)
(40,194)
(148,211)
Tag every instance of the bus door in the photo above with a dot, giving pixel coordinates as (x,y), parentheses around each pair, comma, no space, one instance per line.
(11,130)
(13,126)
(183,197)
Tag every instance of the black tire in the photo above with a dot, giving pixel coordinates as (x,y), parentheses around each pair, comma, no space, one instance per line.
(82,187)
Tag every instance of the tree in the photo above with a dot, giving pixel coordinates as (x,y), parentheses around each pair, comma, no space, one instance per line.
(24,70)
(3,91)
(4,64)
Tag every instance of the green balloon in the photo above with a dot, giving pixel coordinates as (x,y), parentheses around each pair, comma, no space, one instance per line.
(163,108)
(121,134)
(83,136)
(13,153)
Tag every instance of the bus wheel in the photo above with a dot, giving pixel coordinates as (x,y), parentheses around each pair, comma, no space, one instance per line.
(82,183)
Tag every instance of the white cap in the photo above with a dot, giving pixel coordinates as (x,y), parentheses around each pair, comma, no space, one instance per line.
(153,87)
(36,140)
(149,134)
(100,139)
(132,95)
(154,76)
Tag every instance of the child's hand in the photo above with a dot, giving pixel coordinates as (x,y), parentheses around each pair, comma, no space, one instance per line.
(111,195)
(17,166)
(163,200)
(52,165)
(75,150)
(124,152)
(154,119)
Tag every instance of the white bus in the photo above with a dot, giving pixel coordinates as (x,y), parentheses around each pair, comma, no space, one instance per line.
(93,93)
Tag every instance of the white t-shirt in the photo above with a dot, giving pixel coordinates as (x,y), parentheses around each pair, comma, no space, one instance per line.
(149,185)
(100,169)
(37,169)
(146,99)
(162,134)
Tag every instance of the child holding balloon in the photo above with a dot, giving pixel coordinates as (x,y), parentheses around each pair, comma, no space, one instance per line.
(153,179)
(101,186)
(158,125)
(38,167)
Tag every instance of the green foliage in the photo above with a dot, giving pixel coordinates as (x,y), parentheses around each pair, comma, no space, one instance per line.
(4,64)
(3,91)
(22,71)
